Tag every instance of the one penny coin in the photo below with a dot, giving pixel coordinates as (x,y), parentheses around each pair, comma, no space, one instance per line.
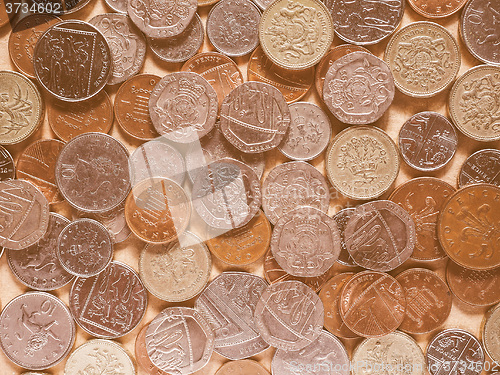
(7,169)
(241,367)
(490,333)
(342,218)
(436,8)
(483,166)
(141,354)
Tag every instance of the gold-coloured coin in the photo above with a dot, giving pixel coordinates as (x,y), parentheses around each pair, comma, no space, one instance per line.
(490,333)
(362,162)
(296,35)
(424,59)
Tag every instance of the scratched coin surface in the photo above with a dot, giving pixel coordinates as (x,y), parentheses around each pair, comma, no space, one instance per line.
(228,304)
(454,351)
(111,304)
(473,103)
(126,42)
(342,218)
(24,214)
(326,355)
(482,166)
(480,30)
(141,354)
(490,333)
(100,356)
(436,8)
(176,271)
(305,242)
(37,266)
(469,227)
(358,88)
(289,315)
(7,169)
(37,330)
(242,367)
(183,107)
(179,341)
(291,185)
(21,107)
(72,60)
(92,172)
(308,134)
(423,198)
(427,141)
(296,35)
(372,304)
(362,162)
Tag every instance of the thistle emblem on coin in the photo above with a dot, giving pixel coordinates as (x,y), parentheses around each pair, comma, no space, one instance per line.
(16,108)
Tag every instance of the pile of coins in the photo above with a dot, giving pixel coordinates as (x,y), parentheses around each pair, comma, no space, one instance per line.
(225,226)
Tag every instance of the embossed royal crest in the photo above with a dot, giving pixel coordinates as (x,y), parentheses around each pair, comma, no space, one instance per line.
(174,264)
(304,131)
(155,12)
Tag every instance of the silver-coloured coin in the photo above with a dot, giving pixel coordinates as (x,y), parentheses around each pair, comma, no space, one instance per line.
(483,166)
(119,6)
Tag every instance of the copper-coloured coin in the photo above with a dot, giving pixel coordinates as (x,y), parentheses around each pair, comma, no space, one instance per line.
(427,141)
(372,304)
(291,185)
(436,8)
(141,354)
(293,84)
(183,107)
(326,353)
(113,220)
(242,246)
(428,300)
(330,296)
(380,235)
(477,288)
(23,39)
(37,164)
(468,227)
(454,351)
(289,315)
(228,304)
(490,334)
(25,214)
(242,367)
(423,198)
(4,16)
(37,266)
(72,61)
(342,218)
(7,170)
(37,330)
(305,242)
(111,304)
(358,88)
(483,166)
(179,341)
(92,172)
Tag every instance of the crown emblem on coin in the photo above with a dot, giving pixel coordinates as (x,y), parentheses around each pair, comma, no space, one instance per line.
(191,89)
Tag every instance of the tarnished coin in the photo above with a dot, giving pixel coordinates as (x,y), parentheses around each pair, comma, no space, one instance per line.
(183,107)
(177,271)
(423,198)
(72,61)
(92,172)
(372,304)
(326,354)
(179,341)
(226,194)
(362,162)
(181,47)
(7,170)
(427,141)
(395,353)
(477,288)
(69,121)
(358,88)
(102,357)
(37,330)
(228,304)
(119,6)
(424,59)
(454,351)
(483,166)
(157,210)
(428,300)
(330,296)
(289,315)
(291,185)
(469,227)
(309,132)
(24,214)
(37,266)
(342,218)
(359,23)
(113,220)
(305,242)
(480,30)
(242,367)
(436,8)
(21,107)
(111,304)
(23,39)
(141,354)
(232,27)
(127,45)
(473,103)
(490,334)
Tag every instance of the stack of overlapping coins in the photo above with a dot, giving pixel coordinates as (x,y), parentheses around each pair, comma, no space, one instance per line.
(238,220)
